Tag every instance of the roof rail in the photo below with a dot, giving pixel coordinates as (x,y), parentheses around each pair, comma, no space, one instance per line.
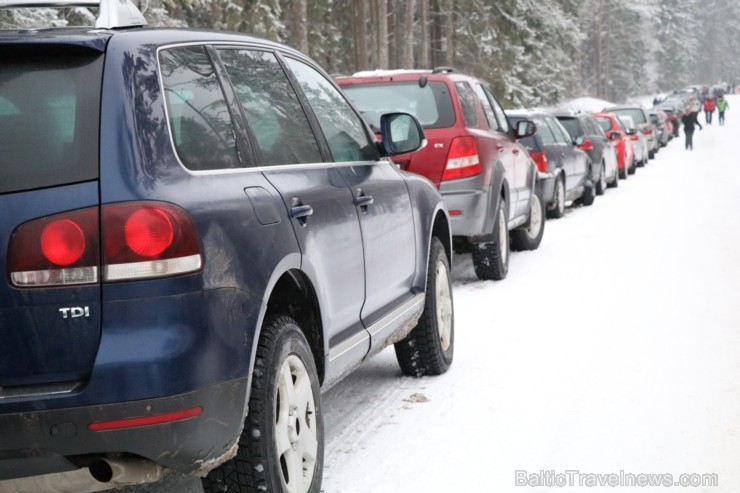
(436,70)
(112,14)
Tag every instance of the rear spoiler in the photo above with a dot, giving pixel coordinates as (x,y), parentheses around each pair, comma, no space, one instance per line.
(112,14)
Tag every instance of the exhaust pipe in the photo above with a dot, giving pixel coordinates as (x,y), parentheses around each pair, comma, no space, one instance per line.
(102,474)
(125,471)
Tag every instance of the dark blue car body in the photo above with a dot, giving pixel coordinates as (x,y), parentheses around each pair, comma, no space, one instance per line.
(354,275)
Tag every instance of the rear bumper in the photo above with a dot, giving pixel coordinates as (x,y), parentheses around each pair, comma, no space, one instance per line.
(469,206)
(43,442)
(156,355)
(546,187)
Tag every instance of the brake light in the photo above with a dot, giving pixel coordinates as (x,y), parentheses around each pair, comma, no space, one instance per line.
(143,240)
(634,137)
(58,250)
(647,131)
(140,240)
(462,159)
(540,159)
(587,145)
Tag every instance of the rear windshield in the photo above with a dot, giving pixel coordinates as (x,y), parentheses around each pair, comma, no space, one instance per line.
(49,116)
(604,123)
(637,115)
(431,104)
(571,125)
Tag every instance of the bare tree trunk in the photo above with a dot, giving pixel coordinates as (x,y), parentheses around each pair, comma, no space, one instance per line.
(407,60)
(360,20)
(425,59)
(300,25)
(382,32)
(436,31)
(449,16)
(392,31)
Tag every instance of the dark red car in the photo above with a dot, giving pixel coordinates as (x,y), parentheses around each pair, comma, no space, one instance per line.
(486,177)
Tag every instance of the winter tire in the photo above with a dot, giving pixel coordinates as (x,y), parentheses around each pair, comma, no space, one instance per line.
(557,209)
(281,448)
(615,182)
(588,196)
(530,237)
(623,173)
(633,168)
(601,184)
(429,348)
(491,260)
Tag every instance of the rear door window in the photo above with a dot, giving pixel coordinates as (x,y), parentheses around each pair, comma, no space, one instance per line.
(200,122)
(49,116)
(273,110)
(467,102)
(500,114)
(546,134)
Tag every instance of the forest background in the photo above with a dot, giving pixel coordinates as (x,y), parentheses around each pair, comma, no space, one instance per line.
(532,52)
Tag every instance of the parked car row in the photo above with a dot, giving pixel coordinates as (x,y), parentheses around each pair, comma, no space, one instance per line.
(203,230)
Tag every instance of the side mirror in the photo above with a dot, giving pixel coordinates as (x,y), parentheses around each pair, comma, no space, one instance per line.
(401,133)
(614,135)
(525,128)
(579,140)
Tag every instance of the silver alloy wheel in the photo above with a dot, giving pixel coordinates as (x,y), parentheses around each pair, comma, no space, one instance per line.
(502,235)
(444,306)
(535,218)
(295,430)
(560,197)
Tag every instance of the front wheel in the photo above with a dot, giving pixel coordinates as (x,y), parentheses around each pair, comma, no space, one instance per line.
(531,237)
(491,260)
(281,448)
(429,348)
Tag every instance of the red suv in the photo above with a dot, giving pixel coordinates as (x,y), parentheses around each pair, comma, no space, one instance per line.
(473,156)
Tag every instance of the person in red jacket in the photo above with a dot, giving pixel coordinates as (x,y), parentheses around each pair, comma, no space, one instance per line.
(710,104)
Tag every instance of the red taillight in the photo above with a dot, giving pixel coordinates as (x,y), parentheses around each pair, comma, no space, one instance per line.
(156,419)
(148,232)
(462,159)
(634,137)
(647,131)
(63,242)
(140,240)
(148,239)
(540,159)
(587,145)
(57,250)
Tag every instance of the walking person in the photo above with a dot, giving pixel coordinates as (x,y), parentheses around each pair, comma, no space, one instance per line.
(710,104)
(721,108)
(689,124)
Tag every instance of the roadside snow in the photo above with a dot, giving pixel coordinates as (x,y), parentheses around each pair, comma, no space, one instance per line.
(587,104)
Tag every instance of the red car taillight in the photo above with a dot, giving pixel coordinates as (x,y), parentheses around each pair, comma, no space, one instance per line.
(540,159)
(140,240)
(647,131)
(462,159)
(587,145)
(634,137)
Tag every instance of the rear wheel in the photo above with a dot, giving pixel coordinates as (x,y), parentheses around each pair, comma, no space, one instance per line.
(557,209)
(588,196)
(530,237)
(491,260)
(281,448)
(633,168)
(429,348)
(601,184)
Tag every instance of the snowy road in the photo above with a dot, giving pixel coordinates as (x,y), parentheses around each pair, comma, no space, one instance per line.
(614,347)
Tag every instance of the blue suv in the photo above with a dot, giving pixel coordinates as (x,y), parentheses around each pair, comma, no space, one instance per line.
(198,232)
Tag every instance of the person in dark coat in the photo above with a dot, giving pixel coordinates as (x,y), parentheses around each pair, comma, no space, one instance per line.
(690,122)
